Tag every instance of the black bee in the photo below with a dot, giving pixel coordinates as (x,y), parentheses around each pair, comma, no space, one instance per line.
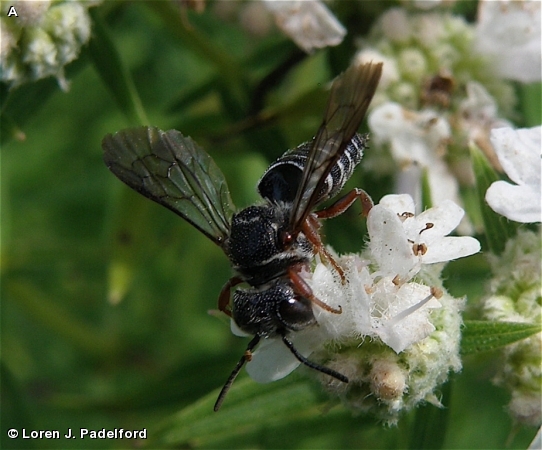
(270,243)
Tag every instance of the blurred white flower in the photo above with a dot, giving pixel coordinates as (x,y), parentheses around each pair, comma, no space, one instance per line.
(417,141)
(519,153)
(396,25)
(47,36)
(310,23)
(390,73)
(429,4)
(437,96)
(509,32)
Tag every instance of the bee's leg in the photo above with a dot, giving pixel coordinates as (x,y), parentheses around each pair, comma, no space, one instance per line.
(247,356)
(313,365)
(224,296)
(302,288)
(310,229)
(345,202)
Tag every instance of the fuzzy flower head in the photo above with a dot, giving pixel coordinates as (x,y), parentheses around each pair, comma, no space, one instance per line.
(508,32)
(43,38)
(398,334)
(515,296)
(519,153)
(436,96)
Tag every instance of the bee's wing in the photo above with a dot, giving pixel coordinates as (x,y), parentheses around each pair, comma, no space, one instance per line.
(172,170)
(349,99)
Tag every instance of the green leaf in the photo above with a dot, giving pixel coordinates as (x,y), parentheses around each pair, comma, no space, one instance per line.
(232,82)
(15,409)
(481,336)
(430,424)
(22,103)
(49,314)
(113,72)
(530,98)
(248,406)
(498,229)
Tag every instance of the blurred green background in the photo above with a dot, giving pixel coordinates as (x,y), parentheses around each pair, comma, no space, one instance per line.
(75,241)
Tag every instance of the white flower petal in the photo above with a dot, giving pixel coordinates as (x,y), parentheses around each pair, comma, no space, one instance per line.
(519,153)
(309,23)
(450,248)
(517,203)
(443,219)
(405,315)
(388,242)
(327,288)
(272,360)
(398,203)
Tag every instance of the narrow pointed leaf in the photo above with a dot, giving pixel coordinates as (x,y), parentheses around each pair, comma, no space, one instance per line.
(248,403)
(481,336)
(114,74)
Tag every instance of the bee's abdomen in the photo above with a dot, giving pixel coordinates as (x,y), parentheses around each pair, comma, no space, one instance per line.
(344,167)
(281,180)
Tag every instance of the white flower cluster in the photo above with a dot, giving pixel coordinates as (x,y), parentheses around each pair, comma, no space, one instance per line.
(41,39)
(438,93)
(515,289)
(515,296)
(398,334)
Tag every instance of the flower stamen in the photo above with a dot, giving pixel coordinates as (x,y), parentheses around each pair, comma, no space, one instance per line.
(419,249)
(428,226)
(407,312)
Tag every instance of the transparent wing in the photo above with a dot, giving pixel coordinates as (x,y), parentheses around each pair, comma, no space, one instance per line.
(172,170)
(349,99)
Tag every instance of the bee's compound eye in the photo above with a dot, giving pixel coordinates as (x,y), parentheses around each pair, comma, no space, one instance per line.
(296,313)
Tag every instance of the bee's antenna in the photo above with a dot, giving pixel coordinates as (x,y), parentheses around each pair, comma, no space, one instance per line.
(313,365)
(246,357)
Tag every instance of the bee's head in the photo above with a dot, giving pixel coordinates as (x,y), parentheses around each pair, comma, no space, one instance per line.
(271,311)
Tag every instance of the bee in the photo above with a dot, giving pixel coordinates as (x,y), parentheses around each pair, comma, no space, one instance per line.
(270,243)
